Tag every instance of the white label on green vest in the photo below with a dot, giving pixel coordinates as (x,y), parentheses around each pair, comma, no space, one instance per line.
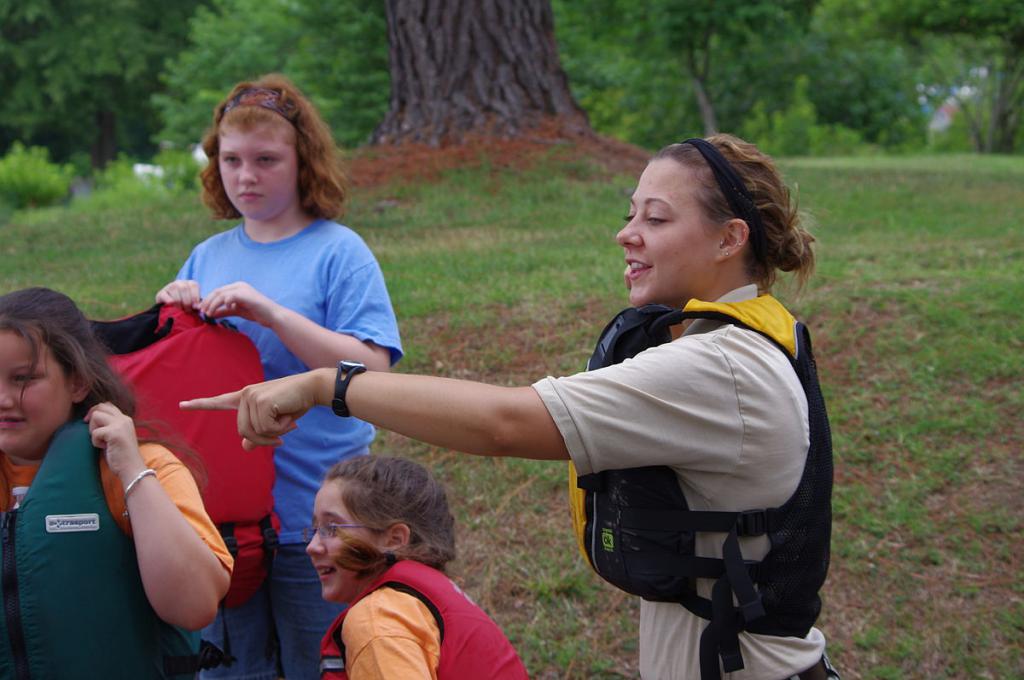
(62,524)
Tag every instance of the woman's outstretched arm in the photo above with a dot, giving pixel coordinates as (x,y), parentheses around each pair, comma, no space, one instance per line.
(467,416)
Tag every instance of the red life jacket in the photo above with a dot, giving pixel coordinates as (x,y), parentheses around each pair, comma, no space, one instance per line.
(472,645)
(167,355)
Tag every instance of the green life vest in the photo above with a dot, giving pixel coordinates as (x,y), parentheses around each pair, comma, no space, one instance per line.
(74,605)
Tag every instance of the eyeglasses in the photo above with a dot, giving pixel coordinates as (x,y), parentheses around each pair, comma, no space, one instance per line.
(328,530)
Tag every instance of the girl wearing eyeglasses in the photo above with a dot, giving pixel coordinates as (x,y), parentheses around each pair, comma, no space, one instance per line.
(382,537)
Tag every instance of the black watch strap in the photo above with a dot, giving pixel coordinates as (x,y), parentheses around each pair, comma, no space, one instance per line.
(346,369)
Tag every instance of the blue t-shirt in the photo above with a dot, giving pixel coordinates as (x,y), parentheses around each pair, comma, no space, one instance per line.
(328,274)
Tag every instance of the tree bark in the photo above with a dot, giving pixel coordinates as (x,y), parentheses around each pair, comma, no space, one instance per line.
(461,67)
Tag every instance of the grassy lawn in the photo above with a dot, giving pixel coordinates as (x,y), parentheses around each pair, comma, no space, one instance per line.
(507,276)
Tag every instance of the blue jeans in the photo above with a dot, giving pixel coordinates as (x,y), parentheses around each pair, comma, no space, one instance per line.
(289,601)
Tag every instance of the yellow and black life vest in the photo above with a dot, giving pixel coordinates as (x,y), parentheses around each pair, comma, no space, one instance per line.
(636,530)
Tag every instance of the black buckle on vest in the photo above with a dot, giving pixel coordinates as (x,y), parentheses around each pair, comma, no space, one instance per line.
(270,539)
(211,656)
(752,523)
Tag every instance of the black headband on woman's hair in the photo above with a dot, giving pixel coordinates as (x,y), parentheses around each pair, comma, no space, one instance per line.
(735,191)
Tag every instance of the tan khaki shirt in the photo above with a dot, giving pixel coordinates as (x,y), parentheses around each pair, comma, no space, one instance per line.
(721,406)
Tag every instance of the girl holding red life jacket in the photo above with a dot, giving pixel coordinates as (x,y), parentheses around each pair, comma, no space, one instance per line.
(306,290)
(111,532)
(381,538)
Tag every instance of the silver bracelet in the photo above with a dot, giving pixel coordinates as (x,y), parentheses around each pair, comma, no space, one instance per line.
(148,472)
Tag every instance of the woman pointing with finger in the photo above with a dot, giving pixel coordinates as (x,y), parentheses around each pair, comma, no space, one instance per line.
(699,435)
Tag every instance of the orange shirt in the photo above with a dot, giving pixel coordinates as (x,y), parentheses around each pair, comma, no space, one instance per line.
(391,634)
(173,476)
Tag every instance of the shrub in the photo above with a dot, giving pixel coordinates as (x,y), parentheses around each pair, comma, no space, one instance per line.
(795,130)
(29,180)
(954,139)
(181,171)
(124,182)
(117,186)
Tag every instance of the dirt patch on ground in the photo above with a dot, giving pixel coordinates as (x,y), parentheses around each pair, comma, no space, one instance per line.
(374,166)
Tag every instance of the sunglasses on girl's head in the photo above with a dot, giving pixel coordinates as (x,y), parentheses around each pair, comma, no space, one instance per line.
(328,530)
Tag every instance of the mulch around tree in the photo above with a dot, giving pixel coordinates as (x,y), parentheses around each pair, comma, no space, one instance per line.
(376,166)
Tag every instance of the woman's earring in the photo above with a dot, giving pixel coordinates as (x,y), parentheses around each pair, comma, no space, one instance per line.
(389,558)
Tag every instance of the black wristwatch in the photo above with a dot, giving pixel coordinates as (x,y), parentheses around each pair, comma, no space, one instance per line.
(346,369)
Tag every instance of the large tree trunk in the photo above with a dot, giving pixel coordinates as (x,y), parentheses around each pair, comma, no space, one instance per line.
(474,66)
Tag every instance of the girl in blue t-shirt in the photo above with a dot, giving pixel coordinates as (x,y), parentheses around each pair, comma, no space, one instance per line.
(308,292)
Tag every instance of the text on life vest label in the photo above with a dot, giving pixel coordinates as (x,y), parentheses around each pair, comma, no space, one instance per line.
(60,524)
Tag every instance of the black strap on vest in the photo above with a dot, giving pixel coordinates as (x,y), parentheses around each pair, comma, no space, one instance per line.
(720,638)
(271,543)
(209,656)
(223,654)
(270,540)
(227,532)
(631,331)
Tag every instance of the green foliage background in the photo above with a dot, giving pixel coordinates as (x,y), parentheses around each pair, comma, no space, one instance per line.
(63,62)
(335,52)
(874,71)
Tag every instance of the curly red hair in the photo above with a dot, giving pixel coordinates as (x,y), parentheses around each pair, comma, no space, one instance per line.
(323,184)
